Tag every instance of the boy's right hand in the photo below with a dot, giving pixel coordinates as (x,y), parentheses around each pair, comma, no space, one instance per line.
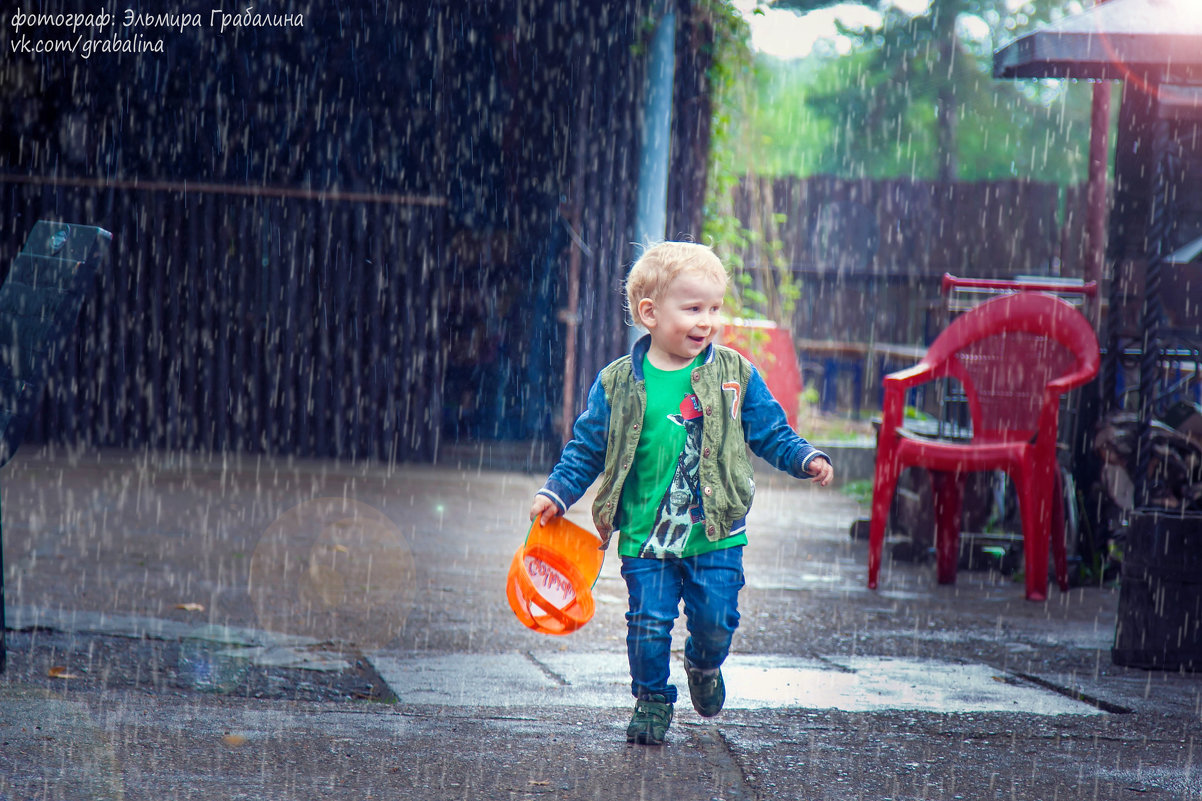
(544,508)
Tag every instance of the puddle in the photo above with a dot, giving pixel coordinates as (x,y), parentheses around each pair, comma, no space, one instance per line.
(854,684)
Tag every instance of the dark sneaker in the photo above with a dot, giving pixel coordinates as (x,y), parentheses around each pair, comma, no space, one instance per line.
(650,722)
(707,690)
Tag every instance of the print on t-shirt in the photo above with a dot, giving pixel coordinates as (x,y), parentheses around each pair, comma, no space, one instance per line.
(681,506)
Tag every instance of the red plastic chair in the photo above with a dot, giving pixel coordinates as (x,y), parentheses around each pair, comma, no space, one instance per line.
(1014,355)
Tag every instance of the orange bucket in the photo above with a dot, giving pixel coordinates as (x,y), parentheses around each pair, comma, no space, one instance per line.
(551,577)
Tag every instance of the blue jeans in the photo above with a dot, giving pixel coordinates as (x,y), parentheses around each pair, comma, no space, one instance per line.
(708,584)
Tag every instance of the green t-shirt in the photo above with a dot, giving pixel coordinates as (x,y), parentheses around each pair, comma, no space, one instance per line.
(660,511)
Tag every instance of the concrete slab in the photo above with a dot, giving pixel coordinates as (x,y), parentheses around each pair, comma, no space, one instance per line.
(864,684)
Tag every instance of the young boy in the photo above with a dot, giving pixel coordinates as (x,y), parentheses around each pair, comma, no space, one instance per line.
(665,429)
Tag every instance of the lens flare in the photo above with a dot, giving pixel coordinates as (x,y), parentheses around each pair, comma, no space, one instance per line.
(1180,16)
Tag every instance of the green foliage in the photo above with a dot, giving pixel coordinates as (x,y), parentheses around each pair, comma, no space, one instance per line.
(727,78)
(913,413)
(860,491)
(741,247)
(915,100)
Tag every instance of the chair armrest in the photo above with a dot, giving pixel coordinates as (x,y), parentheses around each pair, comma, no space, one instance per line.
(910,377)
(894,387)
(1049,413)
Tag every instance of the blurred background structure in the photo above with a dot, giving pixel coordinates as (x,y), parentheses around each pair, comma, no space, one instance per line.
(352,237)
(399,234)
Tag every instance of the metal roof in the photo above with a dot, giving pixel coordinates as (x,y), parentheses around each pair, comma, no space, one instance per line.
(1153,41)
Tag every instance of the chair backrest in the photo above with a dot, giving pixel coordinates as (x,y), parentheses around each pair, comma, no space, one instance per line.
(1007,350)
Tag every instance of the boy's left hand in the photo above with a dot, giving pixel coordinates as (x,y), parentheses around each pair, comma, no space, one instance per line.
(821,470)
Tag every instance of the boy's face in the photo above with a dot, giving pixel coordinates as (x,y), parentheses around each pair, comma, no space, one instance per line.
(684,321)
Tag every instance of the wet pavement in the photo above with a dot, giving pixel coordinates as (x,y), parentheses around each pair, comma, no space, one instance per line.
(237,627)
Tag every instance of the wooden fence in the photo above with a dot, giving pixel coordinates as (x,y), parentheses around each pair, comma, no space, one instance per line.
(249,320)
(868,255)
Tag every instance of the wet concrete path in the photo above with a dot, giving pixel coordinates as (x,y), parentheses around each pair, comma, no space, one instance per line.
(913,691)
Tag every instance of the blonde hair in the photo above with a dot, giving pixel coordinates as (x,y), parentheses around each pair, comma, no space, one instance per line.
(659,266)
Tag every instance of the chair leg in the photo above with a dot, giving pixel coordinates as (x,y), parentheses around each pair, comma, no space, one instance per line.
(1059,557)
(1034,498)
(948,498)
(883,484)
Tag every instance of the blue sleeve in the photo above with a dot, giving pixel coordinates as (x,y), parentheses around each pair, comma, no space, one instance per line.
(767,431)
(583,458)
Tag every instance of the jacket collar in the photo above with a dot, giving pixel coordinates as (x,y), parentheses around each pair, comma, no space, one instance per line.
(640,348)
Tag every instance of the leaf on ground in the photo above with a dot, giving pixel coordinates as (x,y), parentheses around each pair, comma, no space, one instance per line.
(234,740)
(60,672)
(191,607)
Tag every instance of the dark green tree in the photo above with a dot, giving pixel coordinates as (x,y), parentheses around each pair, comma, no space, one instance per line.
(904,93)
